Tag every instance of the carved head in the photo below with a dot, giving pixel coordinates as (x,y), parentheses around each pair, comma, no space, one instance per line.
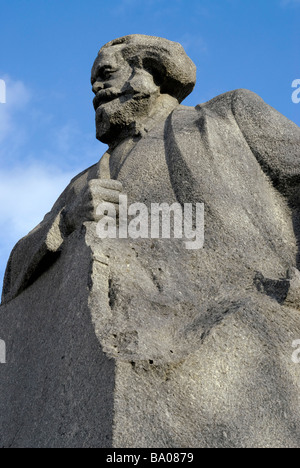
(130,75)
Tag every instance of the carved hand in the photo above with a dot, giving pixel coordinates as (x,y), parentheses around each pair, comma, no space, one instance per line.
(85,205)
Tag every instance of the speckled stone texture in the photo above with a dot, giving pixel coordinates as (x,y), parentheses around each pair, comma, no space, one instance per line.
(143,343)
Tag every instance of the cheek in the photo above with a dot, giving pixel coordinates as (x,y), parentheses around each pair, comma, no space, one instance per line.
(120,79)
(144,84)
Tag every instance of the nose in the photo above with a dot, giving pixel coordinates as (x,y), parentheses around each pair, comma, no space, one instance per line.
(97,86)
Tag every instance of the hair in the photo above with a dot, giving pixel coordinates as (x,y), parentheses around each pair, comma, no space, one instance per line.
(167,61)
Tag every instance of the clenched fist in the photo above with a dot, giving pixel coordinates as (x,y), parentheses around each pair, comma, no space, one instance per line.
(84,207)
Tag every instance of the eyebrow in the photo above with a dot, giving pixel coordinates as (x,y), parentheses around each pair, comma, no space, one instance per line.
(99,69)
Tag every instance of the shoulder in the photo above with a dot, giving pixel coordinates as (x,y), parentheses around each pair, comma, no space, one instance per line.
(243,99)
(228,101)
(245,94)
(221,106)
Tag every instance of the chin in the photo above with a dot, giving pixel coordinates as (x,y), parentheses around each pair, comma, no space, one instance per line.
(104,133)
(110,123)
(116,120)
(102,124)
(104,137)
(107,133)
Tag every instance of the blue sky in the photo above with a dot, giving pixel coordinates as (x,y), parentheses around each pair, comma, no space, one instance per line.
(46,52)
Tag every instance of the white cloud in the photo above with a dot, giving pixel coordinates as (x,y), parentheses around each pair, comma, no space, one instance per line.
(26,195)
(17,98)
(30,180)
(27,190)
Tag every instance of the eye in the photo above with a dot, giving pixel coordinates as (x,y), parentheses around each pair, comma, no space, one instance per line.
(105,73)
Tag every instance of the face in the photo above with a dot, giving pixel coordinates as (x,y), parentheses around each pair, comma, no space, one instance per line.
(123,95)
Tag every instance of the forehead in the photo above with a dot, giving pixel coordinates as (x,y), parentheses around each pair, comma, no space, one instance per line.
(108,57)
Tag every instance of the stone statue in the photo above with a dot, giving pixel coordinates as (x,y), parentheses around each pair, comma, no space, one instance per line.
(194,347)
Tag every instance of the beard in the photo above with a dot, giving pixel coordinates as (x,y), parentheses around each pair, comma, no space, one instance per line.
(122,117)
(123,108)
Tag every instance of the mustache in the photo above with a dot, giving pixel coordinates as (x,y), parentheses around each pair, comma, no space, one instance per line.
(109,94)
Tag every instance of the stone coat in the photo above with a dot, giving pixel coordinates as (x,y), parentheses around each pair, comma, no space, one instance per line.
(235,153)
(142,343)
